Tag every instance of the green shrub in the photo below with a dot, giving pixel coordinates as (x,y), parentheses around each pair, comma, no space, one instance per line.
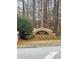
(24,26)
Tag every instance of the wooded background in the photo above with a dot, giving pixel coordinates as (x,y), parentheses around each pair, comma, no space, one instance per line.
(47,10)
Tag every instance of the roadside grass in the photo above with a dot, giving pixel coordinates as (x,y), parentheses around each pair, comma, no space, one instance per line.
(46,37)
(40,39)
(59,37)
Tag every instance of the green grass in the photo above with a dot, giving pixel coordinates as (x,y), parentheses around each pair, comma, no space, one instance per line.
(46,37)
(59,37)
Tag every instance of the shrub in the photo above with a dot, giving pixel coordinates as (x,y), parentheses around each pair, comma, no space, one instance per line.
(24,26)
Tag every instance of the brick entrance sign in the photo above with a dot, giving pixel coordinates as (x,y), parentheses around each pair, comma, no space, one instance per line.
(43,31)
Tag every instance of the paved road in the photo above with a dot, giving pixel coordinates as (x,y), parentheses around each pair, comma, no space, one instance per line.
(39,52)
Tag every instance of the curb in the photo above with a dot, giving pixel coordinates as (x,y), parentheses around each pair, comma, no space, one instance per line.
(38,45)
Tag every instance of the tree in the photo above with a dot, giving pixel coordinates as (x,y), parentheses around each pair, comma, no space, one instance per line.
(24,26)
(45,20)
(42,13)
(23,7)
(48,14)
(34,13)
(56,16)
(27,9)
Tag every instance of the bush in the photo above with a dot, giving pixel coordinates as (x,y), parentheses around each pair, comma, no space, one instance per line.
(24,26)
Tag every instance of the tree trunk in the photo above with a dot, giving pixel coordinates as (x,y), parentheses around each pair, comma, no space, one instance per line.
(48,14)
(23,7)
(56,16)
(27,9)
(33,13)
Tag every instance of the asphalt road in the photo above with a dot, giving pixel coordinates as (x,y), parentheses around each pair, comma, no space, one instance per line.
(47,52)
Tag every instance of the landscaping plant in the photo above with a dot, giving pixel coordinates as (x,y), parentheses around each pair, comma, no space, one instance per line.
(24,27)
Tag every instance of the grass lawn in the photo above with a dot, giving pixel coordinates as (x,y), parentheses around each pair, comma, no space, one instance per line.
(41,39)
(46,37)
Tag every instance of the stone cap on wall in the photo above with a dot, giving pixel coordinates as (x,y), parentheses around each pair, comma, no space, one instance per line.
(42,29)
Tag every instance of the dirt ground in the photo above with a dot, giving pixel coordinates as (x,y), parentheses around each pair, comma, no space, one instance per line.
(39,42)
